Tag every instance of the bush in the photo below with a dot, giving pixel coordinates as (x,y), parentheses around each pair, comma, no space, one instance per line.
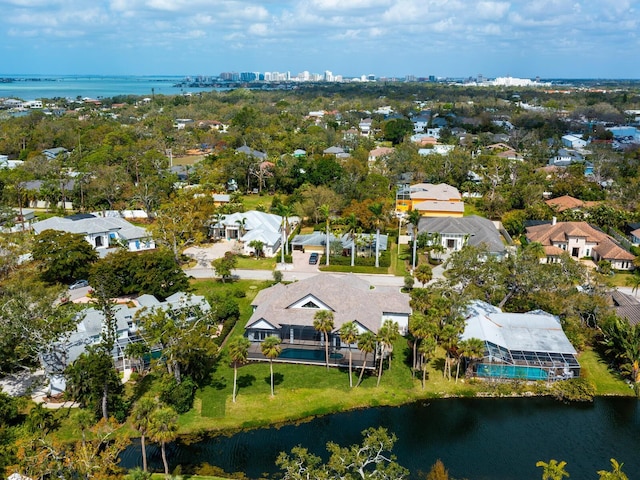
(574,390)
(277,276)
(385,260)
(288,258)
(178,395)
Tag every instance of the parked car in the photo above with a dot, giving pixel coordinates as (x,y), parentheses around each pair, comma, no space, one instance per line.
(313,258)
(79,284)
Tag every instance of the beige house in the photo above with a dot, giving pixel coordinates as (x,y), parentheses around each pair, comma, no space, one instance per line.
(431,200)
(579,240)
(288,312)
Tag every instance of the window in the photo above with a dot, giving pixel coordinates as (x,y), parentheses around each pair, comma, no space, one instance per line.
(310,304)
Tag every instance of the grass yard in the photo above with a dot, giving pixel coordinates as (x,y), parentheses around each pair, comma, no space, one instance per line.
(250,263)
(303,391)
(255,202)
(596,370)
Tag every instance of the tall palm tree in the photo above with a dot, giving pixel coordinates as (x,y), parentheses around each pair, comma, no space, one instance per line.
(420,328)
(377,209)
(427,351)
(323,322)
(163,428)
(326,213)
(351,227)
(634,282)
(553,470)
(242,226)
(349,335)
(238,352)
(472,349)
(285,212)
(449,338)
(366,344)
(270,348)
(141,420)
(386,336)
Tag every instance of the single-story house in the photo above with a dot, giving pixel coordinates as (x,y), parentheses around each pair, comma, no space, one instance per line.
(455,233)
(626,306)
(580,240)
(90,327)
(249,226)
(365,243)
(527,346)
(567,202)
(101,232)
(288,311)
(250,152)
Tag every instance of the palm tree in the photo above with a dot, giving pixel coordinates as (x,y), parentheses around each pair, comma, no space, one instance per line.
(258,247)
(351,227)
(386,336)
(285,212)
(377,209)
(423,273)
(141,420)
(242,226)
(238,352)
(449,337)
(366,344)
(349,335)
(326,213)
(420,327)
(472,349)
(270,348)
(616,472)
(553,470)
(634,282)
(427,351)
(163,428)
(323,322)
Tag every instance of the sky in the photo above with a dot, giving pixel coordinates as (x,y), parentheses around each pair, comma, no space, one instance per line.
(393,38)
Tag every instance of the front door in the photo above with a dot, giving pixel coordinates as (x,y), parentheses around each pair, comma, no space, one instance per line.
(575,252)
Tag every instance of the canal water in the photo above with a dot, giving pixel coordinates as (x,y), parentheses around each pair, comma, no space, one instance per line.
(477,439)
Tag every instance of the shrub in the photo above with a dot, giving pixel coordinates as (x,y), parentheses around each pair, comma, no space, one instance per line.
(178,395)
(574,390)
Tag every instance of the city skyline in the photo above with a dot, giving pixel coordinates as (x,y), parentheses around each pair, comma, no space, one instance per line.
(389,38)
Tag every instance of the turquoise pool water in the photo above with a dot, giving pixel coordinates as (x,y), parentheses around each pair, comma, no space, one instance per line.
(302,354)
(512,371)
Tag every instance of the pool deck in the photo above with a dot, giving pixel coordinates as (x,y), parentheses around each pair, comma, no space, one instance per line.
(255,354)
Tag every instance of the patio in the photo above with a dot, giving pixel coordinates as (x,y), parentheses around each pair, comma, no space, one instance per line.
(311,353)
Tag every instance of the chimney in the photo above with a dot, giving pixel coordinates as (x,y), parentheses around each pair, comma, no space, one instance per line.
(553,220)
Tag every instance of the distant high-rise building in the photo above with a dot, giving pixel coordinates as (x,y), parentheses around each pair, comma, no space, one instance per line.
(480,78)
(410,78)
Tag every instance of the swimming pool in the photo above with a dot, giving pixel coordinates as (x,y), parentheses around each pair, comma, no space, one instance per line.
(511,371)
(303,354)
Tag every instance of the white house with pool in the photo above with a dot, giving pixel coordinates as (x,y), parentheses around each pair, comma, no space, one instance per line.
(526,346)
(287,312)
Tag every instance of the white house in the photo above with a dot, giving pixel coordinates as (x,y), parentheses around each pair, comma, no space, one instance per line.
(249,226)
(101,233)
(574,141)
(91,325)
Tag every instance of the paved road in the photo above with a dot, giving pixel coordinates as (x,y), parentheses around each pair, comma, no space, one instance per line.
(292,276)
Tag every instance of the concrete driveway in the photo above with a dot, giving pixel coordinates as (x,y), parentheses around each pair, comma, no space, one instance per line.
(204,255)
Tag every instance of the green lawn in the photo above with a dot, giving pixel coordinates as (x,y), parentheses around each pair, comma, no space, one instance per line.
(305,391)
(595,369)
(250,263)
(255,202)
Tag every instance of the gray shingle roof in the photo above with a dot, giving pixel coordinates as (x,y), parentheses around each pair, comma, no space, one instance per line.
(92,225)
(349,297)
(482,230)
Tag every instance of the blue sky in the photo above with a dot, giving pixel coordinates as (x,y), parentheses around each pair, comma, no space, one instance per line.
(454,38)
